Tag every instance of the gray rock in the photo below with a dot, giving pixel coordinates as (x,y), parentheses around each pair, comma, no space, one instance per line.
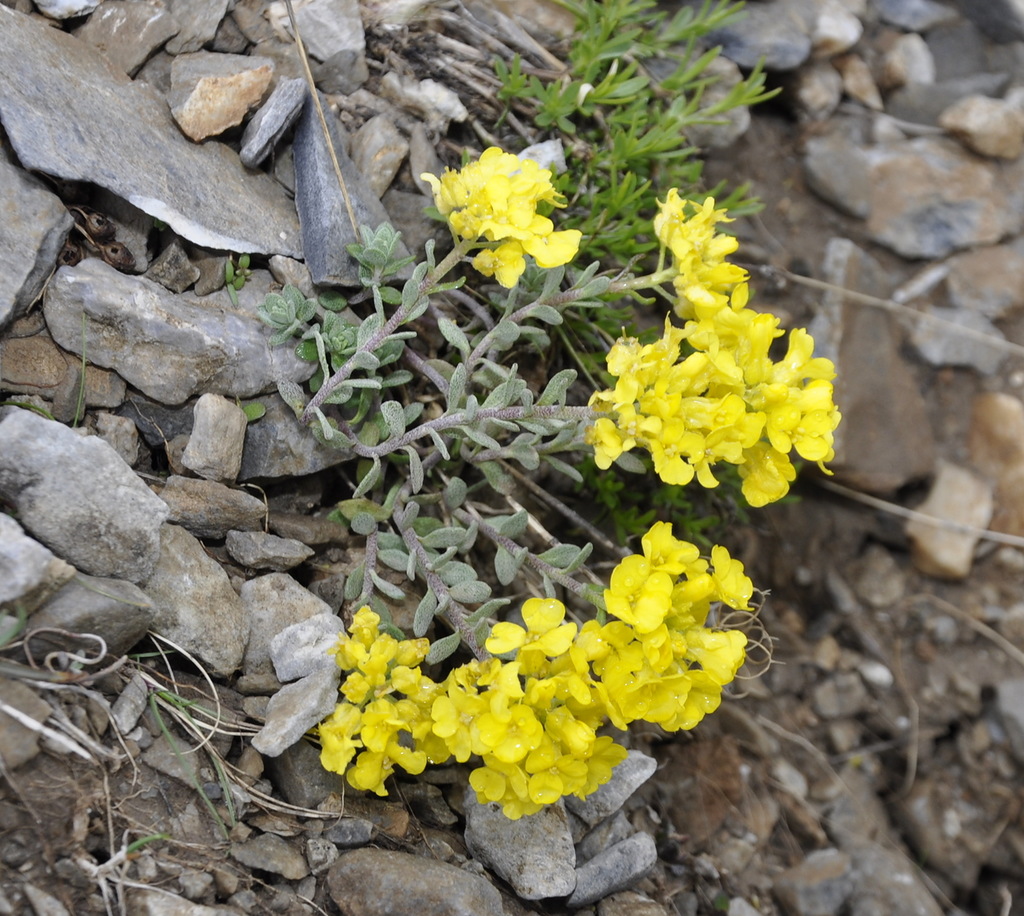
(113,609)
(300,777)
(121,136)
(127,32)
(775,33)
(278,445)
(302,647)
(267,126)
(259,550)
(289,272)
(120,434)
(211,92)
(351,832)
(614,870)
(193,598)
(534,854)
(329,27)
(321,854)
(342,73)
(1010,707)
(32,232)
(19,743)
(1000,20)
(885,882)
(838,170)
(843,695)
(127,709)
(29,573)
(626,778)
(959,49)
(987,280)
(941,345)
(214,449)
(326,227)
(988,127)
(962,498)
(198,21)
(66,9)
(605,835)
(818,886)
(170,347)
(209,509)
(382,882)
(271,603)
(109,527)
(295,709)
(914,15)
(909,60)
(815,90)
(172,268)
(378,151)
(922,103)
(268,852)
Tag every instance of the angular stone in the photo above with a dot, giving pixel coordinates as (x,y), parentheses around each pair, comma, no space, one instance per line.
(351,832)
(914,15)
(29,573)
(267,126)
(259,550)
(172,268)
(109,528)
(271,603)
(18,742)
(626,778)
(211,92)
(534,854)
(909,60)
(378,151)
(774,34)
(198,21)
(941,345)
(1000,20)
(32,232)
(66,9)
(818,886)
(120,135)
(271,853)
(278,445)
(214,449)
(323,215)
(193,598)
(120,434)
(958,497)
(127,32)
(987,280)
(303,647)
(887,882)
(170,347)
(988,127)
(295,709)
(117,611)
(614,870)
(837,170)
(329,27)
(382,882)
(209,509)
(300,777)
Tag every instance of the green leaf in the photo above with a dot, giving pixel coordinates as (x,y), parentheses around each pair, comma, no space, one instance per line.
(557,387)
(387,588)
(354,583)
(455,492)
(456,572)
(631,463)
(506,566)
(351,507)
(512,526)
(439,444)
(369,481)
(394,559)
(472,591)
(254,411)
(561,555)
(443,538)
(363,523)
(451,332)
(415,469)
(394,417)
(424,615)
(443,648)
(547,314)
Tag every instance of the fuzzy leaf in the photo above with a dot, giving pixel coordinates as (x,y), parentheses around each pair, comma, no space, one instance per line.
(455,493)
(439,444)
(394,417)
(387,588)
(512,526)
(456,572)
(443,648)
(631,463)
(472,591)
(444,537)
(415,469)
(506,566)
(424,615)
(556,388)
(546,313)
(453,334)
(369,481)
(363,523)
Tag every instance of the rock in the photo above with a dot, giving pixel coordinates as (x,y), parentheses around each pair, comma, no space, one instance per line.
(330,27)
(836,29)
(193,598)
(610,831)
(1000,20)
(209,509)
(133,700)
(988,127)
(268,125)
(382,882)
(67,9)
(321,854)
(29,573)
(211,92)
(295,709)
(272,603)
(815,91)
(109,528)
(342,73)
(351,832)
(428,804)
(117,611)
(302,648)
(163,903)
(534,854)
(120,434)
(127,33)
(886,882)
(958,497)
(626,778)
(996,449)
(18,742)
(259,550)
(914,15)
(909,60)
(877,578)
(428,99)
(32,232)
(842,696)
(378,151)
(120,135)
(326,227)
(198,21)
(271,853)
(278,445)
(214,449)
(170,347)
(922,103)
(172,268)
(614,870)
(818,886)
(884,441)
(838,170)
(941,345)
(289,272)
(300,777)
(858,82)
(987,280)
(775,34)
(1010,707)
(929,198)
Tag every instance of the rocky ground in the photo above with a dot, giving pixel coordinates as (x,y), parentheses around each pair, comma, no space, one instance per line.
(874,768)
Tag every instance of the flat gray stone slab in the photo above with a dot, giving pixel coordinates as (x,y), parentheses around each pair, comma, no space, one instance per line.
(120,135)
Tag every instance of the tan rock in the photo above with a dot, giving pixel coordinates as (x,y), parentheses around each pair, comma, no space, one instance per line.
(942,545)
(909,60)
(989,127)
(858,83)
(211,92)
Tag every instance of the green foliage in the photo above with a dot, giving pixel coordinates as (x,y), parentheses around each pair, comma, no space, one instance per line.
(236,274)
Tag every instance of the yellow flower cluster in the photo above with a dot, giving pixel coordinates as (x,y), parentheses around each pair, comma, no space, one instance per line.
(532,716)
(495,198)
(725,399)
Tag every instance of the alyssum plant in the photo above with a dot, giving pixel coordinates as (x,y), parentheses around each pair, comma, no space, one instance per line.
(530,702)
